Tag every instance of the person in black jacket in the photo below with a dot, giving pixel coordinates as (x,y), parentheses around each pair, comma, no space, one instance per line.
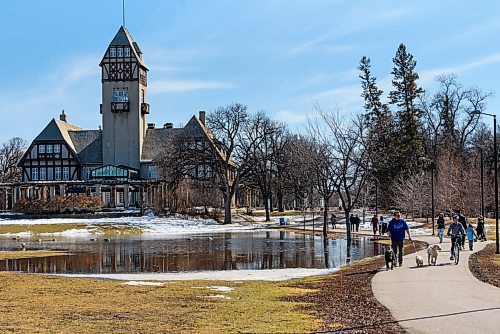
(480,229)
(440,227)
(462,220)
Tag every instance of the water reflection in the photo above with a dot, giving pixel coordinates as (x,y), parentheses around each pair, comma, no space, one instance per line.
(225,251)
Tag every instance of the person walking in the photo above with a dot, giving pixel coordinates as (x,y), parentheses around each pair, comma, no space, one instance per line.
(384,225)
(440,227)
(357,221)
(380,221)
(397,228)
(480,229)
(352,222)
(462,220)
(471,235)
(375,224)
(333,220)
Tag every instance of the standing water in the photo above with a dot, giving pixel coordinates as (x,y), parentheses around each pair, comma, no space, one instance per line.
(259,249)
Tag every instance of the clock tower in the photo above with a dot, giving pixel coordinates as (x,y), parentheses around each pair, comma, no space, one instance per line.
(124,108)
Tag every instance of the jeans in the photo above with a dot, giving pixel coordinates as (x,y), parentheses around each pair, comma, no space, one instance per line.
(455,239)
(397,248)
(471,244)
(440,234)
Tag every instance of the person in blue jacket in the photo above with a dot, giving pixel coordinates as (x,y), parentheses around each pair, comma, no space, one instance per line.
(397,228)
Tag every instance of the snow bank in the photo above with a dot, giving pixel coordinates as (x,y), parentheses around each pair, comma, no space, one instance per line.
(140,283)
(231,275)
(149,225)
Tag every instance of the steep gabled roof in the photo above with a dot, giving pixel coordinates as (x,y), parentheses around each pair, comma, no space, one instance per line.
(88,145)
(155,141)
(57,130)
(123,38)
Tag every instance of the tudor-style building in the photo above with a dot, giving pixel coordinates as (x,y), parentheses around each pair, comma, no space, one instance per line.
(119,156)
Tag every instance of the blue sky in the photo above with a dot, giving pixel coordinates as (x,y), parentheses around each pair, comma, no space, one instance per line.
(280,56)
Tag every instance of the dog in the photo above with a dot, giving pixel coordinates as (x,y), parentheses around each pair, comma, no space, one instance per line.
(432,253)
(390,257)
(419,260)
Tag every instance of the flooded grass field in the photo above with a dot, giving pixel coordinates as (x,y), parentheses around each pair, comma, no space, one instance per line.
(259,249)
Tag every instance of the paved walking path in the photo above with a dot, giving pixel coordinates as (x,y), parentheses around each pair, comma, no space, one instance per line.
(445,298)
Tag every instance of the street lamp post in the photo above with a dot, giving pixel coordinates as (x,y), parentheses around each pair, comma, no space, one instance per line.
(432,165)
(495,155)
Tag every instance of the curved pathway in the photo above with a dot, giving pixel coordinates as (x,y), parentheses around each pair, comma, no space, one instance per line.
(445,298)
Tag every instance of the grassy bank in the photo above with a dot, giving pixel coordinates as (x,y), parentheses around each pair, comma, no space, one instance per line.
(485,265)
(12,255)
(41,304)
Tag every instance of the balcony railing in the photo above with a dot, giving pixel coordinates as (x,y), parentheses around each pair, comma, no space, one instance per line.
(145,108)
(120,106)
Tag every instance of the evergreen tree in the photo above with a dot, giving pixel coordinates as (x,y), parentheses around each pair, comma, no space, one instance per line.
(380,128)
(408,115)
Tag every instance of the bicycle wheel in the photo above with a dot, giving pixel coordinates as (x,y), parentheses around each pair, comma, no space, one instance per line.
(457,253)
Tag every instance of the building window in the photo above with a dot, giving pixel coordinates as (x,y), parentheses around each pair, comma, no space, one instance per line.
(120,96)
(49,148)
(119,52)
(43,173)
(57,148)
(152,172)
(57,173)
(112,52)
(34,174)
(142,95)
(65,173)
(127,52)
(41,148)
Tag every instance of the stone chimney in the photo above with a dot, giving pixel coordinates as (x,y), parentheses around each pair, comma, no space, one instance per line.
(202,116)
(168,125)
(62,117)
(151,125)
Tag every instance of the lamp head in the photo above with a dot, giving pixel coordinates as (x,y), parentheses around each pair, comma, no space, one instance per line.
(476,112)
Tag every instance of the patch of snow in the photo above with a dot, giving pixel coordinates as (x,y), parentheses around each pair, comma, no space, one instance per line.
(20,234)
(220,288)
(141,283)
(149,225)
(75,232)
(230,275)
(218,296)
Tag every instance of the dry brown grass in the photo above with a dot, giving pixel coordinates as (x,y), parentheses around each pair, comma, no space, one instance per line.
(41,304)
(11,255)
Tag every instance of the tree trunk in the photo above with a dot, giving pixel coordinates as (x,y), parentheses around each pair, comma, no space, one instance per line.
(266,207)
(279,196)
(348,225)
(227,208)
(325,217)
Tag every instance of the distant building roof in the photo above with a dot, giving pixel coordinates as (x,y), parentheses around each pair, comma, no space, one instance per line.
(155,141)
(88,145)
(57,130)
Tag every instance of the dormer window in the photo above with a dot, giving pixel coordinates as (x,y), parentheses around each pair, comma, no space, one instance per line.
(119,52)
(112,52)
(120,96)
(127,52)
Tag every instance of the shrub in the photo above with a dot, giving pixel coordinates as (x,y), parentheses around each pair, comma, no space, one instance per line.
(58,204)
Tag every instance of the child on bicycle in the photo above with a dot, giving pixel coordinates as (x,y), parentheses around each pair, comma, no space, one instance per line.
(471,235)
(456,231)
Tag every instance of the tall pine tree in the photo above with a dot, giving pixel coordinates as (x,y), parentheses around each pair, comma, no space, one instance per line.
(409,125)
(380,138)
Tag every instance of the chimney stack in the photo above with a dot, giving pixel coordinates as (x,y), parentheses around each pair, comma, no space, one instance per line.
(62,117)
(151,125)
(168,125)
(202,116)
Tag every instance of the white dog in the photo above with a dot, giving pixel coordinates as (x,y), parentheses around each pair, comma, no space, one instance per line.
(419,260)
(432,253)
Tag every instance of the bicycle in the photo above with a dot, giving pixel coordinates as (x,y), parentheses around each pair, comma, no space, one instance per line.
(455,252)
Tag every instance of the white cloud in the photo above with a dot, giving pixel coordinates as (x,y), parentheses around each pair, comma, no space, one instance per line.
(430,75)
(168,86)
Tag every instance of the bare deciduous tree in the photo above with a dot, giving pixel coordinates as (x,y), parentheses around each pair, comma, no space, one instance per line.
(10,153)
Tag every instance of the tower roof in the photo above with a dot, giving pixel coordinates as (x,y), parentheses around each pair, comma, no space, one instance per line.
(123,38)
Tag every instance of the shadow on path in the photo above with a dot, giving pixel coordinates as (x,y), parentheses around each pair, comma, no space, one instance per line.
(353,328)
